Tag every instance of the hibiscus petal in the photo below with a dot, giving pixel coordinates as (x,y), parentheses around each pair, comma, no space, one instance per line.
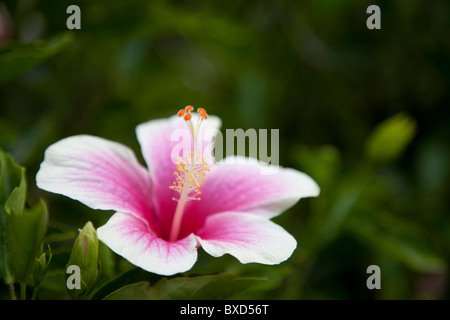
(237,184)
(248,237)
(161,140)
(131,238)
(100,173)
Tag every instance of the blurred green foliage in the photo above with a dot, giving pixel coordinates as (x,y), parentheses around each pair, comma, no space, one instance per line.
(364,112)
(22,229)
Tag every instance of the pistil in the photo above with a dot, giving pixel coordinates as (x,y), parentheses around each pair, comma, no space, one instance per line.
(190,169)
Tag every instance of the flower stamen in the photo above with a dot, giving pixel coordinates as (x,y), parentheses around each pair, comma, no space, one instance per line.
(190,171)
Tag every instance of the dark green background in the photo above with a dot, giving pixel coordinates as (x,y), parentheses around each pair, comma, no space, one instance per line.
(311,69)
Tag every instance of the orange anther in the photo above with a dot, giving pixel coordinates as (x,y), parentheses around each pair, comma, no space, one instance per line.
(204,115)
(189,108)
(181,112)
(200,110)
(187,116)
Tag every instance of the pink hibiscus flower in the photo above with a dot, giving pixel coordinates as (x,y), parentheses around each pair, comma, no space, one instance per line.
(182,201)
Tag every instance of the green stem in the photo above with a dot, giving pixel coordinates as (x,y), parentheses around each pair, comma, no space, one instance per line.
(23,291)
(35,291)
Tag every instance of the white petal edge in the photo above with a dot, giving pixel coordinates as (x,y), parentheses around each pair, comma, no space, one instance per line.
(100,173)
(130,237)
(236,184)
(248,237)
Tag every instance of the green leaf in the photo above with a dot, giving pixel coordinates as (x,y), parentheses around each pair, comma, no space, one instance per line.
(131,276)
(21,230)
(207,287)
(25,233)
(85,256)
(16,201)
(18,58)
(12,184)
(390,138)
(12,200)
